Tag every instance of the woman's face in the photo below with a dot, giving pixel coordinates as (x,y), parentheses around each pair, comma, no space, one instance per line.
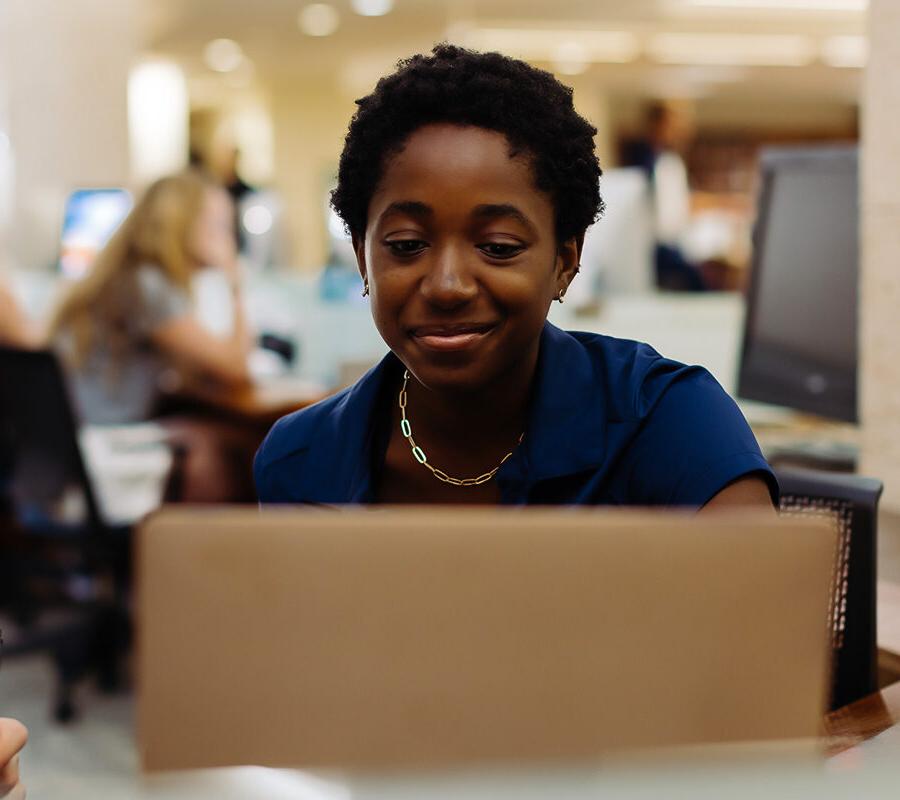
(212,240)
(461,257)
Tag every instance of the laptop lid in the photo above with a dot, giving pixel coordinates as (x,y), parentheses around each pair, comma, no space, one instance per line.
(433,637)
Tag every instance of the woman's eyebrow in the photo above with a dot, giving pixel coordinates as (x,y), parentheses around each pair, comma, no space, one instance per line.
(497,210)
(413,208)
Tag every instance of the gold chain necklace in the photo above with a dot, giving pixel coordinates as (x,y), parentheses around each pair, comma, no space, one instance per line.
(419,454)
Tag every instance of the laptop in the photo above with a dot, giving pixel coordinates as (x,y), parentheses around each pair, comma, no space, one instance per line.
(429,638)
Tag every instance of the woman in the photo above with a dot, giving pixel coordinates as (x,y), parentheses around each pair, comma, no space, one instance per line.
(130,320)
(129,326)
(467,181)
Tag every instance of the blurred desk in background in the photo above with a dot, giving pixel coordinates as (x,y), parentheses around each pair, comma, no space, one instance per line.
(261,403)
(803,440)
(217,432)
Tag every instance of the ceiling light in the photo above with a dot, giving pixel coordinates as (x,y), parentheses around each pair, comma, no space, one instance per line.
(157,118)
(541,44)
(223,55)
(318,19)
(785,5)
(732,49)
(372,8)
(571,58)
(257,220)
(845,51)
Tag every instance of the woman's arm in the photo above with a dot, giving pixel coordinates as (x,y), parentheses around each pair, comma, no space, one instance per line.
(221,357)
(748,492)
(16,330)
(13,736)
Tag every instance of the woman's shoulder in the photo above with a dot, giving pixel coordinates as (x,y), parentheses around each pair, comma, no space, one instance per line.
(314,451)
(615,350)
(633,376)
(151,279)
(289,447)
(159,297)
(294,432)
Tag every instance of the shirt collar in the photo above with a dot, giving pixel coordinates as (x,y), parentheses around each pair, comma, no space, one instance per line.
(565,433)
(340,450)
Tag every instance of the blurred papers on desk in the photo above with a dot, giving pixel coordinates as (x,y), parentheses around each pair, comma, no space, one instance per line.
(128,466)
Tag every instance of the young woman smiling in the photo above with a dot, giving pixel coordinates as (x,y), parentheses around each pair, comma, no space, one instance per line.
(467,182)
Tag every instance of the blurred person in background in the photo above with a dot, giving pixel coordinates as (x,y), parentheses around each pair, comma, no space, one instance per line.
(16,329)
(225,167)
(129,325)
(658,153)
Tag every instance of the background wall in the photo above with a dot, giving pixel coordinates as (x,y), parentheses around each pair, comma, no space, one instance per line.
(880,288)
(64,72)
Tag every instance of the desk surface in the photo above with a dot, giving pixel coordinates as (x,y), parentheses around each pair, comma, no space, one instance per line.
(260,403)
(773,777)
(863,720)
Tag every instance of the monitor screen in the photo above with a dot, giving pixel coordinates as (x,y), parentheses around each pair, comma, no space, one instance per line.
(91,217)
(800,345)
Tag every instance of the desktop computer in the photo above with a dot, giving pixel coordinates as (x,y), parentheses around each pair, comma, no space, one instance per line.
(800,332)
(90,219)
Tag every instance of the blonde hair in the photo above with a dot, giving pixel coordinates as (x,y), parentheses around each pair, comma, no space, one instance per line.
(156,232)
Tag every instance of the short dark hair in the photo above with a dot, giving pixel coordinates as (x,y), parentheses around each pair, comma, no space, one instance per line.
(487,90)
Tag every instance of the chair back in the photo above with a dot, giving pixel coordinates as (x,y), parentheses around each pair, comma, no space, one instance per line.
(43,480)
(850,502)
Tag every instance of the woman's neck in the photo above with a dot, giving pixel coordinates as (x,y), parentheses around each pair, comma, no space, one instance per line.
(492,414)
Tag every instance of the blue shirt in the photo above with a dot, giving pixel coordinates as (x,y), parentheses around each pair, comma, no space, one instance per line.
(611,422)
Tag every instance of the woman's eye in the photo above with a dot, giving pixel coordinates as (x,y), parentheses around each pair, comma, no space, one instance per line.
(406,247)
(498,250)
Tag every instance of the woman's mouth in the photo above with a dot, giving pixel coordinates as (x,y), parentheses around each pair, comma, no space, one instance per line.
(446,337)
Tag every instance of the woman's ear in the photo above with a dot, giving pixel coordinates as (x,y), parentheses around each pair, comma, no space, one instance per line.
(568,261)
(359,248)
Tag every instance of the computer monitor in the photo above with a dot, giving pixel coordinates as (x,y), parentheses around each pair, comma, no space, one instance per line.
(799,346)
(91,217)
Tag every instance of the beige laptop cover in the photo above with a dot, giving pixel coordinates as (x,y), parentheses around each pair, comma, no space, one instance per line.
(423,638)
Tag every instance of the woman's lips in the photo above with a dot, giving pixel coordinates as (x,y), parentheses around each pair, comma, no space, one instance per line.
(451,338)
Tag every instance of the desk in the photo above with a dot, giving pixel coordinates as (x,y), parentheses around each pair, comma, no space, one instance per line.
(259,404)
(854,724)
(220,429)
(769,775)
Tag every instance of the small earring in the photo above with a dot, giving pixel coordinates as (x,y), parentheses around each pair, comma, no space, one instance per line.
(365,290)
(560,295)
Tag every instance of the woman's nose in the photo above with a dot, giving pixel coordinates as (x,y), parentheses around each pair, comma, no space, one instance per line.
(449,281)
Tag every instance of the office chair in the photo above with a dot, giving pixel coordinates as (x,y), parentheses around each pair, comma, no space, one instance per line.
(850,502)
(63,570)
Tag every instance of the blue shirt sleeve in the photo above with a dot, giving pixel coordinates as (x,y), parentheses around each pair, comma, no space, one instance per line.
(693,440)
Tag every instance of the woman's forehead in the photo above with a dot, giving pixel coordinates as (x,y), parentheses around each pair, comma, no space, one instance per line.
(441,160)
(458,144)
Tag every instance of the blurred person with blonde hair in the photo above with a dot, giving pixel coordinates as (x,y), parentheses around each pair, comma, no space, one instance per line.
(124,328)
